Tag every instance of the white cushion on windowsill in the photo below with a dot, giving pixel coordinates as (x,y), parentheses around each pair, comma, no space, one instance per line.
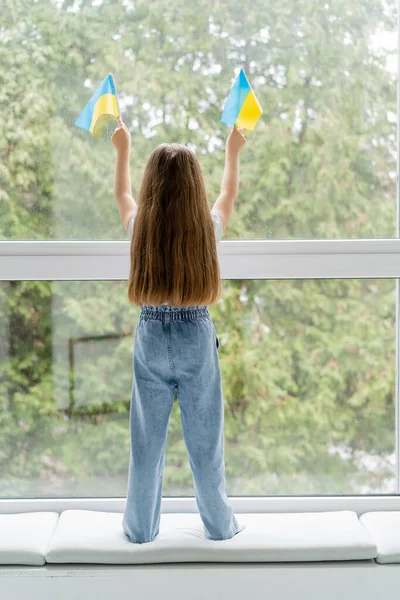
(384,527)
(24,537)
(97,537)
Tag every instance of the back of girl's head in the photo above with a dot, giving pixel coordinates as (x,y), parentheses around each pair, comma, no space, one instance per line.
(173,250)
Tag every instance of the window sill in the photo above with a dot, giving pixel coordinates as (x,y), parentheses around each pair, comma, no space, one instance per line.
(261,504)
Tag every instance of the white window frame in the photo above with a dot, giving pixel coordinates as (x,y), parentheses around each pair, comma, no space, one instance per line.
(319,259)
(250,259)
(291,259)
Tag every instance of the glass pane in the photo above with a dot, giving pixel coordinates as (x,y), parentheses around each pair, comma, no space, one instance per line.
(308,374)
(321,163)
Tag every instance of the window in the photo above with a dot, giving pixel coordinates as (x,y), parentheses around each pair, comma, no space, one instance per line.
(308,320)
(321,164)
(308,369)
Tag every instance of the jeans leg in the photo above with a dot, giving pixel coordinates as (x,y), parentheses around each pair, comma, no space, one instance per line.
(202,413)
(151,405)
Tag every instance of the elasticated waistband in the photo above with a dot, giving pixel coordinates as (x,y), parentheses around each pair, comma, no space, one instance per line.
(168,313)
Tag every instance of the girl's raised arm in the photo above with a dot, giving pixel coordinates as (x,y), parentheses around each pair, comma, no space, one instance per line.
(230,180)
(121,140)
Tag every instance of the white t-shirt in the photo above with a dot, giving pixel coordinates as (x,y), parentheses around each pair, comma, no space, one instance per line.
(216,219)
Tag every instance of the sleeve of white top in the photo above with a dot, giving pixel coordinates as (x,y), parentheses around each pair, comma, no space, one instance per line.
(130,226)
(216,219)
(217,225)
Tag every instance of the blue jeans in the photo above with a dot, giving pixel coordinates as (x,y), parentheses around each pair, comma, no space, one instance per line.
(175,353)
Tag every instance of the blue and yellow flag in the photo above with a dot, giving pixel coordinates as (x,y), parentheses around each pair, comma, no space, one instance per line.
(101,108)
(241,107)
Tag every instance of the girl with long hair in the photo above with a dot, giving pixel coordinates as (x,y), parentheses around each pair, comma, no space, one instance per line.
(174,276)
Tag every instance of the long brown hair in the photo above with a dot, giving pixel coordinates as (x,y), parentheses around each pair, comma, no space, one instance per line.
(173,250)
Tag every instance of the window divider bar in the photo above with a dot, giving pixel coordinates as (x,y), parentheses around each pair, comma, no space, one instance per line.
(334,259)
(60,248)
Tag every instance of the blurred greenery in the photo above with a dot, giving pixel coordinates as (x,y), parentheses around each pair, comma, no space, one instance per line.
(308,366)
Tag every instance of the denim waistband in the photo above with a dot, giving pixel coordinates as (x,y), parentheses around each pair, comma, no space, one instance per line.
(169,313)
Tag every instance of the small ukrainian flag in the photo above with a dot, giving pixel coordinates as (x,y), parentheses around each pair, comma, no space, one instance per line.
(102,106)
(241,107)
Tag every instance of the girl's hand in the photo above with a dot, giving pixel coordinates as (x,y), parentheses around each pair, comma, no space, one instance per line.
(236,141)
(121,138)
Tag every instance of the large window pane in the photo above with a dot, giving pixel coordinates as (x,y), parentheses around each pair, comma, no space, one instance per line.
(321,163)
(308,372)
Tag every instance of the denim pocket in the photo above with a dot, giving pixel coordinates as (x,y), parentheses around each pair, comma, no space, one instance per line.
(215,335)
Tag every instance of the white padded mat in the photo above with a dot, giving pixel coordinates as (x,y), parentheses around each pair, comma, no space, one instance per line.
(97,537)
(384,528)
(24,537)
